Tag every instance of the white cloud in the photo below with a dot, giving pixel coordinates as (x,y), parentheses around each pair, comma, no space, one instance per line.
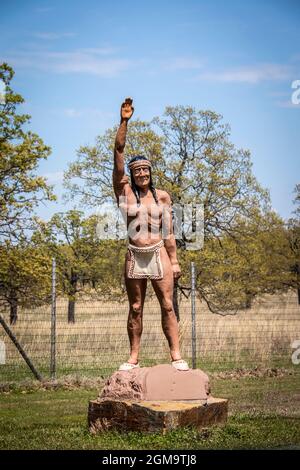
(51,36)
(99,50)
(251,74)
(86,112)
(89,61)
(183,63)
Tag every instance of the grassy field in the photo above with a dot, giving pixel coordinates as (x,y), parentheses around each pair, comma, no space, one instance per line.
(97,343)
(264,412)
(247,355)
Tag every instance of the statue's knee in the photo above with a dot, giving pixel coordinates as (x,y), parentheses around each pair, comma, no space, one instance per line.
(136,309)
(167,306)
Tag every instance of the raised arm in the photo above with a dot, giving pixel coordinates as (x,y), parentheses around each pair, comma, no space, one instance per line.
(126,113)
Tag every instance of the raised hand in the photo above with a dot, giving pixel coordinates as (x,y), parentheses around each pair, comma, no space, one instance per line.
(127,109)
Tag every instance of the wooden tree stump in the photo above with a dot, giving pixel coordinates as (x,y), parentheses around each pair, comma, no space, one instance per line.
(145,416)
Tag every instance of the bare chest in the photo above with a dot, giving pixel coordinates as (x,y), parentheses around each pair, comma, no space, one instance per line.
(148,208)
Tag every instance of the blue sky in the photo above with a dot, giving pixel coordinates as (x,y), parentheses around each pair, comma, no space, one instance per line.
(75,61)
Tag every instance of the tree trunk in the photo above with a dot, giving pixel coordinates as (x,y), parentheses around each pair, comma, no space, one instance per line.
(248,304)
(298,282)
(71,311)
(72,296)
(13,317)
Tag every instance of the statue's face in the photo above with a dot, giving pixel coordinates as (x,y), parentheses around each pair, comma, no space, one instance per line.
(141,176)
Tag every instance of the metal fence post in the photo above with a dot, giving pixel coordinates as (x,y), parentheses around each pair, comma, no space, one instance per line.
(20,349)
(53,323)
(193,308)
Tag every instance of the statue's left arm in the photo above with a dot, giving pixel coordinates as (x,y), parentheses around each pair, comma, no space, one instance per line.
(168,235)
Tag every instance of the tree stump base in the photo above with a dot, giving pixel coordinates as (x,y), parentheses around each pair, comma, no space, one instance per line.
(156,398)
(146,416)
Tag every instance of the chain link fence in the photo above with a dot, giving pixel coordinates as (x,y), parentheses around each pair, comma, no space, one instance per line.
(97,343)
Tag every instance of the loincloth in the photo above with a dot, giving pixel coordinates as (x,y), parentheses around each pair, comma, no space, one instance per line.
(145,262)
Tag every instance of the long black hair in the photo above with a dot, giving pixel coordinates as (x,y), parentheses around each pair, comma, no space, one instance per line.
(134,187)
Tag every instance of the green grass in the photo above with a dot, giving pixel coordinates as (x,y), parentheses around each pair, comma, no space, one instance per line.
(19,372)
(264,413)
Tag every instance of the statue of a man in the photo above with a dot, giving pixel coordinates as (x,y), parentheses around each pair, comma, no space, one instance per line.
(152,247)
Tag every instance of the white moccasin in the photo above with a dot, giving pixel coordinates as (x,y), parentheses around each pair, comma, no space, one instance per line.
(180,364)
(128,366)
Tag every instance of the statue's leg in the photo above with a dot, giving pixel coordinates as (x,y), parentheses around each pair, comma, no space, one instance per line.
(136,292)
(164,291)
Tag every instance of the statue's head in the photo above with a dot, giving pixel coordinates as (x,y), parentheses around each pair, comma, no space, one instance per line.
(141,177)
(140,171)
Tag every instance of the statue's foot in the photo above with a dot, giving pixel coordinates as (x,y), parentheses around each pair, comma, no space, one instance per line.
(128,366)
(180,364)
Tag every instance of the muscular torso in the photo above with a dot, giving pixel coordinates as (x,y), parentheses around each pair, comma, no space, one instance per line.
(144,222)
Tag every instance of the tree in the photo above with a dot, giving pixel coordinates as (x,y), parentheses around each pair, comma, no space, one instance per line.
(21,189)
(90,176)
(25,277)
(296,201)
(233,270)
(194,160)
(293,236)
(84,263)
(201,165)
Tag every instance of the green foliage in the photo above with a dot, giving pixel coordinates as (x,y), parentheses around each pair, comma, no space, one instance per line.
(201,165)
(85,264)
(293,237)
(297,201)
(232,270)
(21,190)
(193,159)
(247,251)
(90,176)
(25,275)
